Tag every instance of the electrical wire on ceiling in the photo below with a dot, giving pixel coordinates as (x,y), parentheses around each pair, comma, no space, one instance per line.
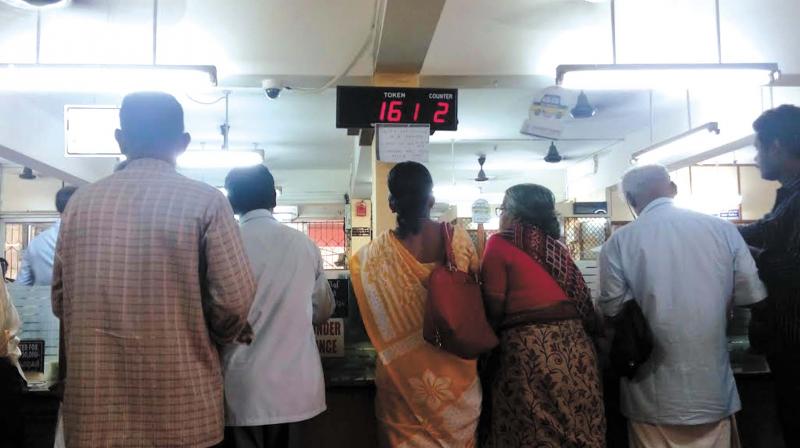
(370,39)
(207,103)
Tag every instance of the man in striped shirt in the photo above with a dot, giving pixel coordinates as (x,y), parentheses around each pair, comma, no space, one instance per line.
(775,325)
(150,279)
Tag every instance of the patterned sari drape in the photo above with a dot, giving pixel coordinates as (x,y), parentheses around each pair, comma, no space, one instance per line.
(425,397)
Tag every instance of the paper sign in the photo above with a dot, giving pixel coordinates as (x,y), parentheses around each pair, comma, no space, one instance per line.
(481,211)
(330,338)
(32,359)
(403,143)
(361,231)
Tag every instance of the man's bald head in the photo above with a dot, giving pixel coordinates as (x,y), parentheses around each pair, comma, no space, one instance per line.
(151,126)
(642,185)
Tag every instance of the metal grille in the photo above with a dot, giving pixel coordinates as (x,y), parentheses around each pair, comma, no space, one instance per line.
(584,236)
(18,235)
(329,237)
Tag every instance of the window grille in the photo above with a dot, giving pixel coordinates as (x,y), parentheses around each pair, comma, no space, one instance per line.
(329,237)
(585,236)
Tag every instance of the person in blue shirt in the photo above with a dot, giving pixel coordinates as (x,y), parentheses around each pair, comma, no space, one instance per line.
(37,261)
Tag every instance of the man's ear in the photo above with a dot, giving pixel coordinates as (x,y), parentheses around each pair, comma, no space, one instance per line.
(183,142)
(120,138)
(630,199)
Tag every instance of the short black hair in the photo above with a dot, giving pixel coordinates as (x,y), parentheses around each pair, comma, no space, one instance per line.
(251,188)
(62,197)
(152,123)
(781,124)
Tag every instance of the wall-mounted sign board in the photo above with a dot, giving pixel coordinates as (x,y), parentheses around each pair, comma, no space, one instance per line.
(363,107)
(330,338)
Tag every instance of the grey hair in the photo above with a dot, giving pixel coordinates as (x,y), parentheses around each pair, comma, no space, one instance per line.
(640,178)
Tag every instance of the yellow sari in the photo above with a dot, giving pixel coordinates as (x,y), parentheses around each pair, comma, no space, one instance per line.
(425,397)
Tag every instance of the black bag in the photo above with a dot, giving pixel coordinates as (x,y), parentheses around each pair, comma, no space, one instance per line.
(633,340)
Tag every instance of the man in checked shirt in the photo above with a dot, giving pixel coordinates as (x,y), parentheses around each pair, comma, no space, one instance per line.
(150,278)
(775,240)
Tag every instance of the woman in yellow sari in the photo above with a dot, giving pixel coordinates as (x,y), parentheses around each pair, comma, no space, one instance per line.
(425,397)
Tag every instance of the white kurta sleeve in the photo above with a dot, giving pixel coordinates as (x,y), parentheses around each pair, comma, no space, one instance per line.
(747,286)
(614,290)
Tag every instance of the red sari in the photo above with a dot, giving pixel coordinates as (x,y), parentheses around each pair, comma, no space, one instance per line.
(546,389)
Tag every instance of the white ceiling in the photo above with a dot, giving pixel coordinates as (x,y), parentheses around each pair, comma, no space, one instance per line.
(317,39)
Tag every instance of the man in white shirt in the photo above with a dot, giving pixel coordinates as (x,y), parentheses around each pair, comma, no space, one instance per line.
(37,261)
(278,379)
(685,270)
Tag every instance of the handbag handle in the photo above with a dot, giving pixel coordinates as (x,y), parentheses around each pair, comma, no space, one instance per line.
(447,241)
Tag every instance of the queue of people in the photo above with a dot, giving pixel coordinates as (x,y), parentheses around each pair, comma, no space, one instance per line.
(183,328)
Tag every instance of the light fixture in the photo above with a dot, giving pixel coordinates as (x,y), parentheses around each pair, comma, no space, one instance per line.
(582,108)
(285,213)
(36,5)
(105,78)
(27,174)
(662,76)
(220,158)
(691,142)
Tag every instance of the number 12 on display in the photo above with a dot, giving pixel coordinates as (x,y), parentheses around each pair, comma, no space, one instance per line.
(392,111)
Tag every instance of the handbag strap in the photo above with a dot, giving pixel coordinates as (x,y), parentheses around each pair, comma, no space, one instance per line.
(447,241)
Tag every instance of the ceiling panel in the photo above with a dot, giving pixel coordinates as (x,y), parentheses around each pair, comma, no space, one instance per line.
(761,31)
(298,37)
(17,35)
(98,32)
(519,37)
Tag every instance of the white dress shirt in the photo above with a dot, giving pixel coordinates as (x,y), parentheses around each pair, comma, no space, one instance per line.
(278,378)
(37,261)
(685,269)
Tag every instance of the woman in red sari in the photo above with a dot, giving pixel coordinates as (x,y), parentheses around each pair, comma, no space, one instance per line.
(545,389)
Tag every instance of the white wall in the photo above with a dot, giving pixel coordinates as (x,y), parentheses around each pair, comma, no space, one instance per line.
(19,195)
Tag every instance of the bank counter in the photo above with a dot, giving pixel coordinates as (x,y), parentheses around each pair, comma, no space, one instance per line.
(348,360)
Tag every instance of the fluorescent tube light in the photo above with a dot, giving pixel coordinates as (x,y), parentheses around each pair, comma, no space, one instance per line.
(662,76)
(199,159)
(105,78)
(694,141)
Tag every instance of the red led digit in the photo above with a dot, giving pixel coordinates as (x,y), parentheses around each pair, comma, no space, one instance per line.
(383,111)
(438,116)
(395,114)
(416,112)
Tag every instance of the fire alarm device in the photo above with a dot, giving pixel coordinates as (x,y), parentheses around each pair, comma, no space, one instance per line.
(361,209)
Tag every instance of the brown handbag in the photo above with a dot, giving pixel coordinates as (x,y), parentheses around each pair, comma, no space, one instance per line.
(455,320)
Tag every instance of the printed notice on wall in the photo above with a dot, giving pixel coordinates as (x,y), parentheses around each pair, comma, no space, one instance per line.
(330,338)
(401,143)
(32,359)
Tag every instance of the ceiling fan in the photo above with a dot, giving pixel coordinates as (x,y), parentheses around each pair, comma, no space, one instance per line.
(481,173)
(553,156)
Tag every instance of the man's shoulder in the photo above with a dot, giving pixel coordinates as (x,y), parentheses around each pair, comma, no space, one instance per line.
(174,181)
